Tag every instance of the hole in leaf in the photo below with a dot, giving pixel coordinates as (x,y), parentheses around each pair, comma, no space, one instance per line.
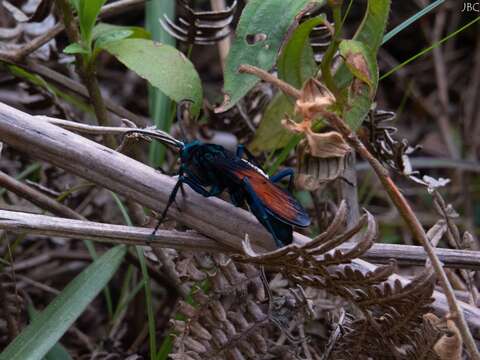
(252,39)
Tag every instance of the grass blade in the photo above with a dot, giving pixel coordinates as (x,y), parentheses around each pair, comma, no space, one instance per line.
(160,106)
(430,48)
(43,333)
(146,281)
(411,20)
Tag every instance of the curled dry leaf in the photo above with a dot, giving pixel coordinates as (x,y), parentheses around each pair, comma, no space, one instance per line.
(327,145)
(449,347)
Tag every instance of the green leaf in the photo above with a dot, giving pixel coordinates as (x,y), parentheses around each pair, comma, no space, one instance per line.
(88,12)
(296,63)
(360,62)
(260,33)
(76,5)
(102,29)
(75,48)
(163,66)
(358,107)
(45,330)
(271,135)
(111,36)
(370,32)
(368,38)
(58,351)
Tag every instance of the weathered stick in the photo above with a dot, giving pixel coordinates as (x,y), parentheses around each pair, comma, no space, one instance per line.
(220,220)
(20,222)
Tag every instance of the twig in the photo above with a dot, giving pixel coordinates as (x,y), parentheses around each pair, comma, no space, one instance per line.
(20,222)
(406,213)
(95,129)
(413,223)
(108,10)
(120,234)
(265,76)
(443,118)
(151,189)
(79,89)
(36,197)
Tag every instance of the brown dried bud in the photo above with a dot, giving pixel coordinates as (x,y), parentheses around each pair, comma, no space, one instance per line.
(315,98)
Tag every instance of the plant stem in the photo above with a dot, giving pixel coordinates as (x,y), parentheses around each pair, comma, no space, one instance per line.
(326,65)
(414,225)
(402,206)
(85,66)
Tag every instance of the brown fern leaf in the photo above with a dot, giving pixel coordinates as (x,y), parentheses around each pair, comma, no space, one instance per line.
(422,343)
(360,341)
(313,258)
(11,308)
(349,276)
(199,27)
(230,320)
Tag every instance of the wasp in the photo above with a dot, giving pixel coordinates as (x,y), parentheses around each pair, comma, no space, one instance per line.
(210,169)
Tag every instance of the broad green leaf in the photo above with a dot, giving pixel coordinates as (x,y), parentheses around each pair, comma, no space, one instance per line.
(104,28)
(75,48)
(111,36)
(296,63)
(161,65)
(271,135)
(261,31)
(37,339)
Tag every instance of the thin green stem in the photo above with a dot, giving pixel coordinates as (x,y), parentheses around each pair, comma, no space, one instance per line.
(433,46)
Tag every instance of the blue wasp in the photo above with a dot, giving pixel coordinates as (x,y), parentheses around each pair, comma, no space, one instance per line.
(210,169)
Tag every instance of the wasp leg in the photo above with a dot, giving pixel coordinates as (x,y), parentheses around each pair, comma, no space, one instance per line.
(171,200)
(283,174)
(261,209)
(179,185)
(200,189)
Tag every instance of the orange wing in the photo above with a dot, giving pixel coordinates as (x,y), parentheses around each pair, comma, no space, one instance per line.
(276,200)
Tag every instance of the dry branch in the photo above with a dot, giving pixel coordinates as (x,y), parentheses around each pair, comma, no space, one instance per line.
(119,234)
(220,220)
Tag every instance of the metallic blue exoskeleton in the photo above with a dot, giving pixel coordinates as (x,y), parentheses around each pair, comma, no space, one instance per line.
(213,166)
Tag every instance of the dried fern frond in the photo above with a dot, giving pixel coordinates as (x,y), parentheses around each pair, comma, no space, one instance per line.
(199,27)
(231,316)
(11,308)
(393,322)
(313,257)
(377,134)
